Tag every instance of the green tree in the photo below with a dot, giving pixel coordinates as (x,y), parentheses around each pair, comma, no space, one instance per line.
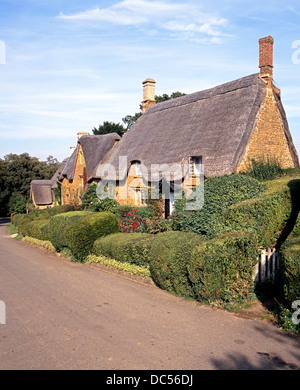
(164,97)
(129,120)
(16,173)
(109,127)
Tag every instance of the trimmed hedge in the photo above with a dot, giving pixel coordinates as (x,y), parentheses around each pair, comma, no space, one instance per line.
(59,223)
(271,216)
(219,194)
(217,270)
(170,254)
(129,248)
(21,220)
(38,229)
(82,232)
(222,269)
(290,263)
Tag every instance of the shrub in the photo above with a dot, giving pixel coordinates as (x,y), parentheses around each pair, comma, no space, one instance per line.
(20,220)
(130,248)
(219,194)
(132,221)
(264,168)
(38,229)
(121,266)
(221,269)
(286,322)
(169,256)
(17,203)
(81,234)
(57,225)
(290,263)
(271,216)
(42,243)
(90,201)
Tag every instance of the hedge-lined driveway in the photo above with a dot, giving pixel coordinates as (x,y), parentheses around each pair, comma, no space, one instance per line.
(64,315)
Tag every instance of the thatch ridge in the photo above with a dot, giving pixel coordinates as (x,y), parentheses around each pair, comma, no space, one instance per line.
(215,123)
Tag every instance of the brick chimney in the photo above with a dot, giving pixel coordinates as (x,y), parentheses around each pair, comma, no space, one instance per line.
(148,94)
(266,58)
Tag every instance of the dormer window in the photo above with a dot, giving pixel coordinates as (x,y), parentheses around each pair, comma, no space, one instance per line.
(138,168)
(195,166)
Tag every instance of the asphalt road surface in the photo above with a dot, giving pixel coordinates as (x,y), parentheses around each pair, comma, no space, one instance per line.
(66,316)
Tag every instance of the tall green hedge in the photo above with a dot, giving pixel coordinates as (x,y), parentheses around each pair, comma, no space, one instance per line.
(57,225)
(221,269)
(37,229)
(81,234)
(21,220)
(290,263)
(219,194)
(129,248)
(208,270)
(169,256)
(270,213)
(271,216)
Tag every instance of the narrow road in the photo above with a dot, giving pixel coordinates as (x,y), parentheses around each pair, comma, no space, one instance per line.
(64,315)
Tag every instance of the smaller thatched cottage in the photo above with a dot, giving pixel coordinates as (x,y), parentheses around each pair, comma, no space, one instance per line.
(42,191)
(88,153)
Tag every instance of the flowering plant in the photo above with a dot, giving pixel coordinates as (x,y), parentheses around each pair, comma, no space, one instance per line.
(130,222)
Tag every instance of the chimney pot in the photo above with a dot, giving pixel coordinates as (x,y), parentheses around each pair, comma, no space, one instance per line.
(81,133)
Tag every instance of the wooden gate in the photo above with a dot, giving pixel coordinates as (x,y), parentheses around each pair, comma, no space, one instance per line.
(267,265)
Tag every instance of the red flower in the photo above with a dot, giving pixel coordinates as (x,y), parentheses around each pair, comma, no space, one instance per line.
(135,210)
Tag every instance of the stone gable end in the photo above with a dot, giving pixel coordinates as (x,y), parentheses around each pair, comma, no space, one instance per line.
(268,138)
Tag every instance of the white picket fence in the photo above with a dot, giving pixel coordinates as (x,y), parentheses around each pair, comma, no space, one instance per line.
(267,265)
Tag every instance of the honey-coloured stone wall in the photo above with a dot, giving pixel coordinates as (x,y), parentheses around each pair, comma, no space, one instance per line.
(268,139)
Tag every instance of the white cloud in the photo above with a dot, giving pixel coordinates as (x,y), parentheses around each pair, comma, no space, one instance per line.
(185,21)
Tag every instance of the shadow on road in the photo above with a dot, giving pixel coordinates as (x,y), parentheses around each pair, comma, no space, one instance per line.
(4,220)
(265,361)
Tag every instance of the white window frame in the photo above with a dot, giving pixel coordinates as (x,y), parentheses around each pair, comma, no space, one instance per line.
(195,166)
(172,202)
(138,168)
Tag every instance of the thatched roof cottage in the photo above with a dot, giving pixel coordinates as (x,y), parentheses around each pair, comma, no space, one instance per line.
(41,191)
(88,153)
(221,129)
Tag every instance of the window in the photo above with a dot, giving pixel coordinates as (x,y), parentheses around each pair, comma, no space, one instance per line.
(195,166)
(139,197)
(138,168)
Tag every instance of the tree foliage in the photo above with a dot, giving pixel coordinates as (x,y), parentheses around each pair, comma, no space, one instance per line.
(16,173)
(164,96)
(108,128)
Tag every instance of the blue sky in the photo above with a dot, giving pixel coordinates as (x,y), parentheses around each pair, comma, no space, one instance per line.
(67,66)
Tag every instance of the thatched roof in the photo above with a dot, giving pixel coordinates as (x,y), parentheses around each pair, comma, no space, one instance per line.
(94,148)
(216,124)
(41,190)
